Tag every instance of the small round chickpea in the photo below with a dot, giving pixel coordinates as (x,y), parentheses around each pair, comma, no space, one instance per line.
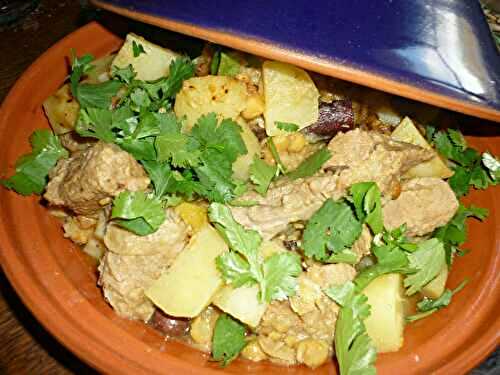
(312,352)
(253,352)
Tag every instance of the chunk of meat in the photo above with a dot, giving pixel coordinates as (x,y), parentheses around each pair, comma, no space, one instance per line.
(361,156)
(171,235)
(286,202)
(424,205)
(88,180)
(289,330)
(124,278)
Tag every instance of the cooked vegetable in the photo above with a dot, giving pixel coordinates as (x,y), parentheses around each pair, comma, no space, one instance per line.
(190,283)
(290,96)
(287,126)
(228,65)
(149,60)
(367,203)
(334,117)
(262,174)
(436,287)
(33,169)
(355,351)
(61,110)
(311,165)
(408,132)
(276,276)
(385,324)
(228,340)
(242,165)
(225,96)
(193,214)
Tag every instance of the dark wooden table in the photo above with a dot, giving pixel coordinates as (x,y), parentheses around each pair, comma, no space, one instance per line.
(25,347)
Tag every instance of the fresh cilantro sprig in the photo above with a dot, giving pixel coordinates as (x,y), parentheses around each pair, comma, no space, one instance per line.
(261,174)
(355,351)
(243,265)
(33,169)
(137,49)
(330,232)
(311,164)
(228,65)
(493,166)
(468,166)
(367,202)
(425,262)
(138,212)
(228,339)
(429,306)
(454,233)
(286,126)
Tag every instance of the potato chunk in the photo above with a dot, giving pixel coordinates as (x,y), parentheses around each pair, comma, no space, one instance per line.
(225,96)
(150,65)
(290,96)
(193,214)
(188,286)
(436,287)
(62,110)
(385,324)
(408,132)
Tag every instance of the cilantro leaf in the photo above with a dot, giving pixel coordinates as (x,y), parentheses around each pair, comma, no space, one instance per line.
(228,65)
(311,164)
(125,75)
(160,175)
(96,123)
(261,174)
(280,276)
(331,229)
(354,349)
(177,149)
(138,212)
(428,306)
(276,275)
(79,67)
(97,95)
(427,261)
(137,48)
(368,205)
(493,166)
(286,126)
(276,156)
(228,339)
(180,69)
(33,169)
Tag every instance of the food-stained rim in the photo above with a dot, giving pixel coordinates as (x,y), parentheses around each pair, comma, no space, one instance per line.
(312,63)
(109,347)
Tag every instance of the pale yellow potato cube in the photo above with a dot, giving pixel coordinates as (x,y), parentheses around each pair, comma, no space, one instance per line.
(190,283)
(408,132)
(436,287)
(225,96)
(241,303)
(61,110)
(151,65)
(385,325)
(290,95)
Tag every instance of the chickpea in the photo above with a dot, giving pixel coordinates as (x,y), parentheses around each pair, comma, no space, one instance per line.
(297,142)
(312,352)
(202,327)
(255,107)
(253,352)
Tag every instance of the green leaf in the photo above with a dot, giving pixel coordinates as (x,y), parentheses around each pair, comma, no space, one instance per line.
(368,205)
(125,75)
(460,181)
(181,68)
(141,149)
(311,164)
(96,123)
(276,156)
(79,67)
(333,227)
(97,95)
(286,126)
(261,174)
(160,175)
(177,149)
(228,339)
(235,269)
(457,139)
(280,276)
(354,349)
(492,164)
(214,64)
(137,48)
(427,260)
(33,169)
(228,65)
(140,213)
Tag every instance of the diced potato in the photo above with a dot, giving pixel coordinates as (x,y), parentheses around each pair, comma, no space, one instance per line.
(101,70)
(61,110)
(151,65)
(385,324)
(193,214)
(290,95)
(225,96)
(242,303)
(202,327)
(188,286)
(436,287)
(408,132)
(241,166)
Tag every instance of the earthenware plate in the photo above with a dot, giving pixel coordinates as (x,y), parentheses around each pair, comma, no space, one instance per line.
(437,51)
(58,282)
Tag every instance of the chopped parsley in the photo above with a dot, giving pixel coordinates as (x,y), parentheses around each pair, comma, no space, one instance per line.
(243,264)
(367,203)
(33,169)
(261,174)
(228,65)
(228,340)
(311,164)
(276,156)
(355,351)
(286,126)
(137,49)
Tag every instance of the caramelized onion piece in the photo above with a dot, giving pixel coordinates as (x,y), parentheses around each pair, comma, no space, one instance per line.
(334,117)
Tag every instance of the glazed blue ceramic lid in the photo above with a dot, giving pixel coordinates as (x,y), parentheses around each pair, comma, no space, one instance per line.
(436,51)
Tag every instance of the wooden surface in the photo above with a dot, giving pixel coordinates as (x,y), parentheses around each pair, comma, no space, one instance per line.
(25,347)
